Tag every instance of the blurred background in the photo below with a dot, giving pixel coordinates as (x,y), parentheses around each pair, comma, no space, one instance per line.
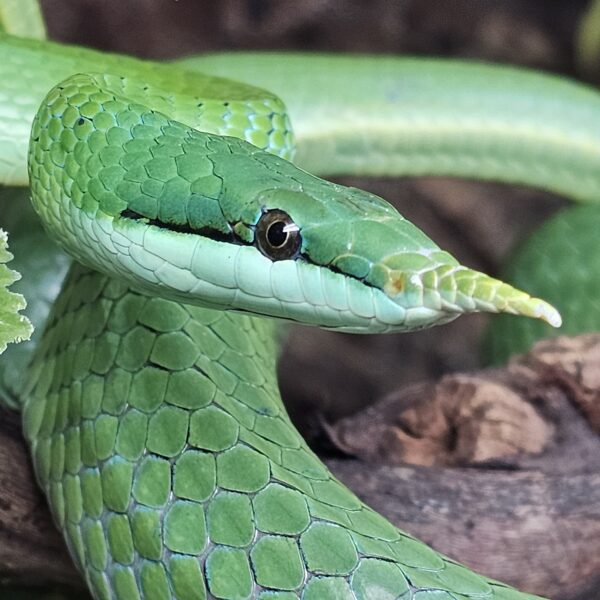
(324,375)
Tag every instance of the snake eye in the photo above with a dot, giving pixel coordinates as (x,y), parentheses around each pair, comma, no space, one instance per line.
(277,236)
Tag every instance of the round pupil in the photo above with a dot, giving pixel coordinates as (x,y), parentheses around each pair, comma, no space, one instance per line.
(276,234)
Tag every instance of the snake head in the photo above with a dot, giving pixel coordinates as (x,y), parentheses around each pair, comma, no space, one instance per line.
(379,266)
(214,221)
(312,252)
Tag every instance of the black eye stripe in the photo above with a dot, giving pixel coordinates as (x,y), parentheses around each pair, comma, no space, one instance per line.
(277,236)
(206,232)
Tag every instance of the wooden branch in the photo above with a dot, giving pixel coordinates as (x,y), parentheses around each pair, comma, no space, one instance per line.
(509,481)
(32,551)
(540,533)
(505,474)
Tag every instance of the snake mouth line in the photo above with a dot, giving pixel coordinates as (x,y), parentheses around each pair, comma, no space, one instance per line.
(526,306)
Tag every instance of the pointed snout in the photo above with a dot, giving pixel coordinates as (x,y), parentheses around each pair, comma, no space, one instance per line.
(357,234)
(388,252)
(454,288)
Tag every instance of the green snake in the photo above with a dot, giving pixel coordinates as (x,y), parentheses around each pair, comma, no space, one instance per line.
(150,403)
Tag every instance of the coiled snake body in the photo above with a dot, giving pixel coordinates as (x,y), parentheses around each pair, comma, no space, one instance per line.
(153,414)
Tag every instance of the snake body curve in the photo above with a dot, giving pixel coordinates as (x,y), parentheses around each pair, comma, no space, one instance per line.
(154,418)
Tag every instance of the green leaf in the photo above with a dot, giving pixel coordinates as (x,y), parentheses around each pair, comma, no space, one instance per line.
(13,326)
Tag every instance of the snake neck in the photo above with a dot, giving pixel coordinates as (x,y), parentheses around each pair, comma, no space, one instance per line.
(159,436)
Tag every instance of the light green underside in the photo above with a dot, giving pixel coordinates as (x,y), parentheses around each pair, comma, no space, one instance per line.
(156,427)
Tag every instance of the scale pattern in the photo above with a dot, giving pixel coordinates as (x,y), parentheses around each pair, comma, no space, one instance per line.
(208,103)
(160,439)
